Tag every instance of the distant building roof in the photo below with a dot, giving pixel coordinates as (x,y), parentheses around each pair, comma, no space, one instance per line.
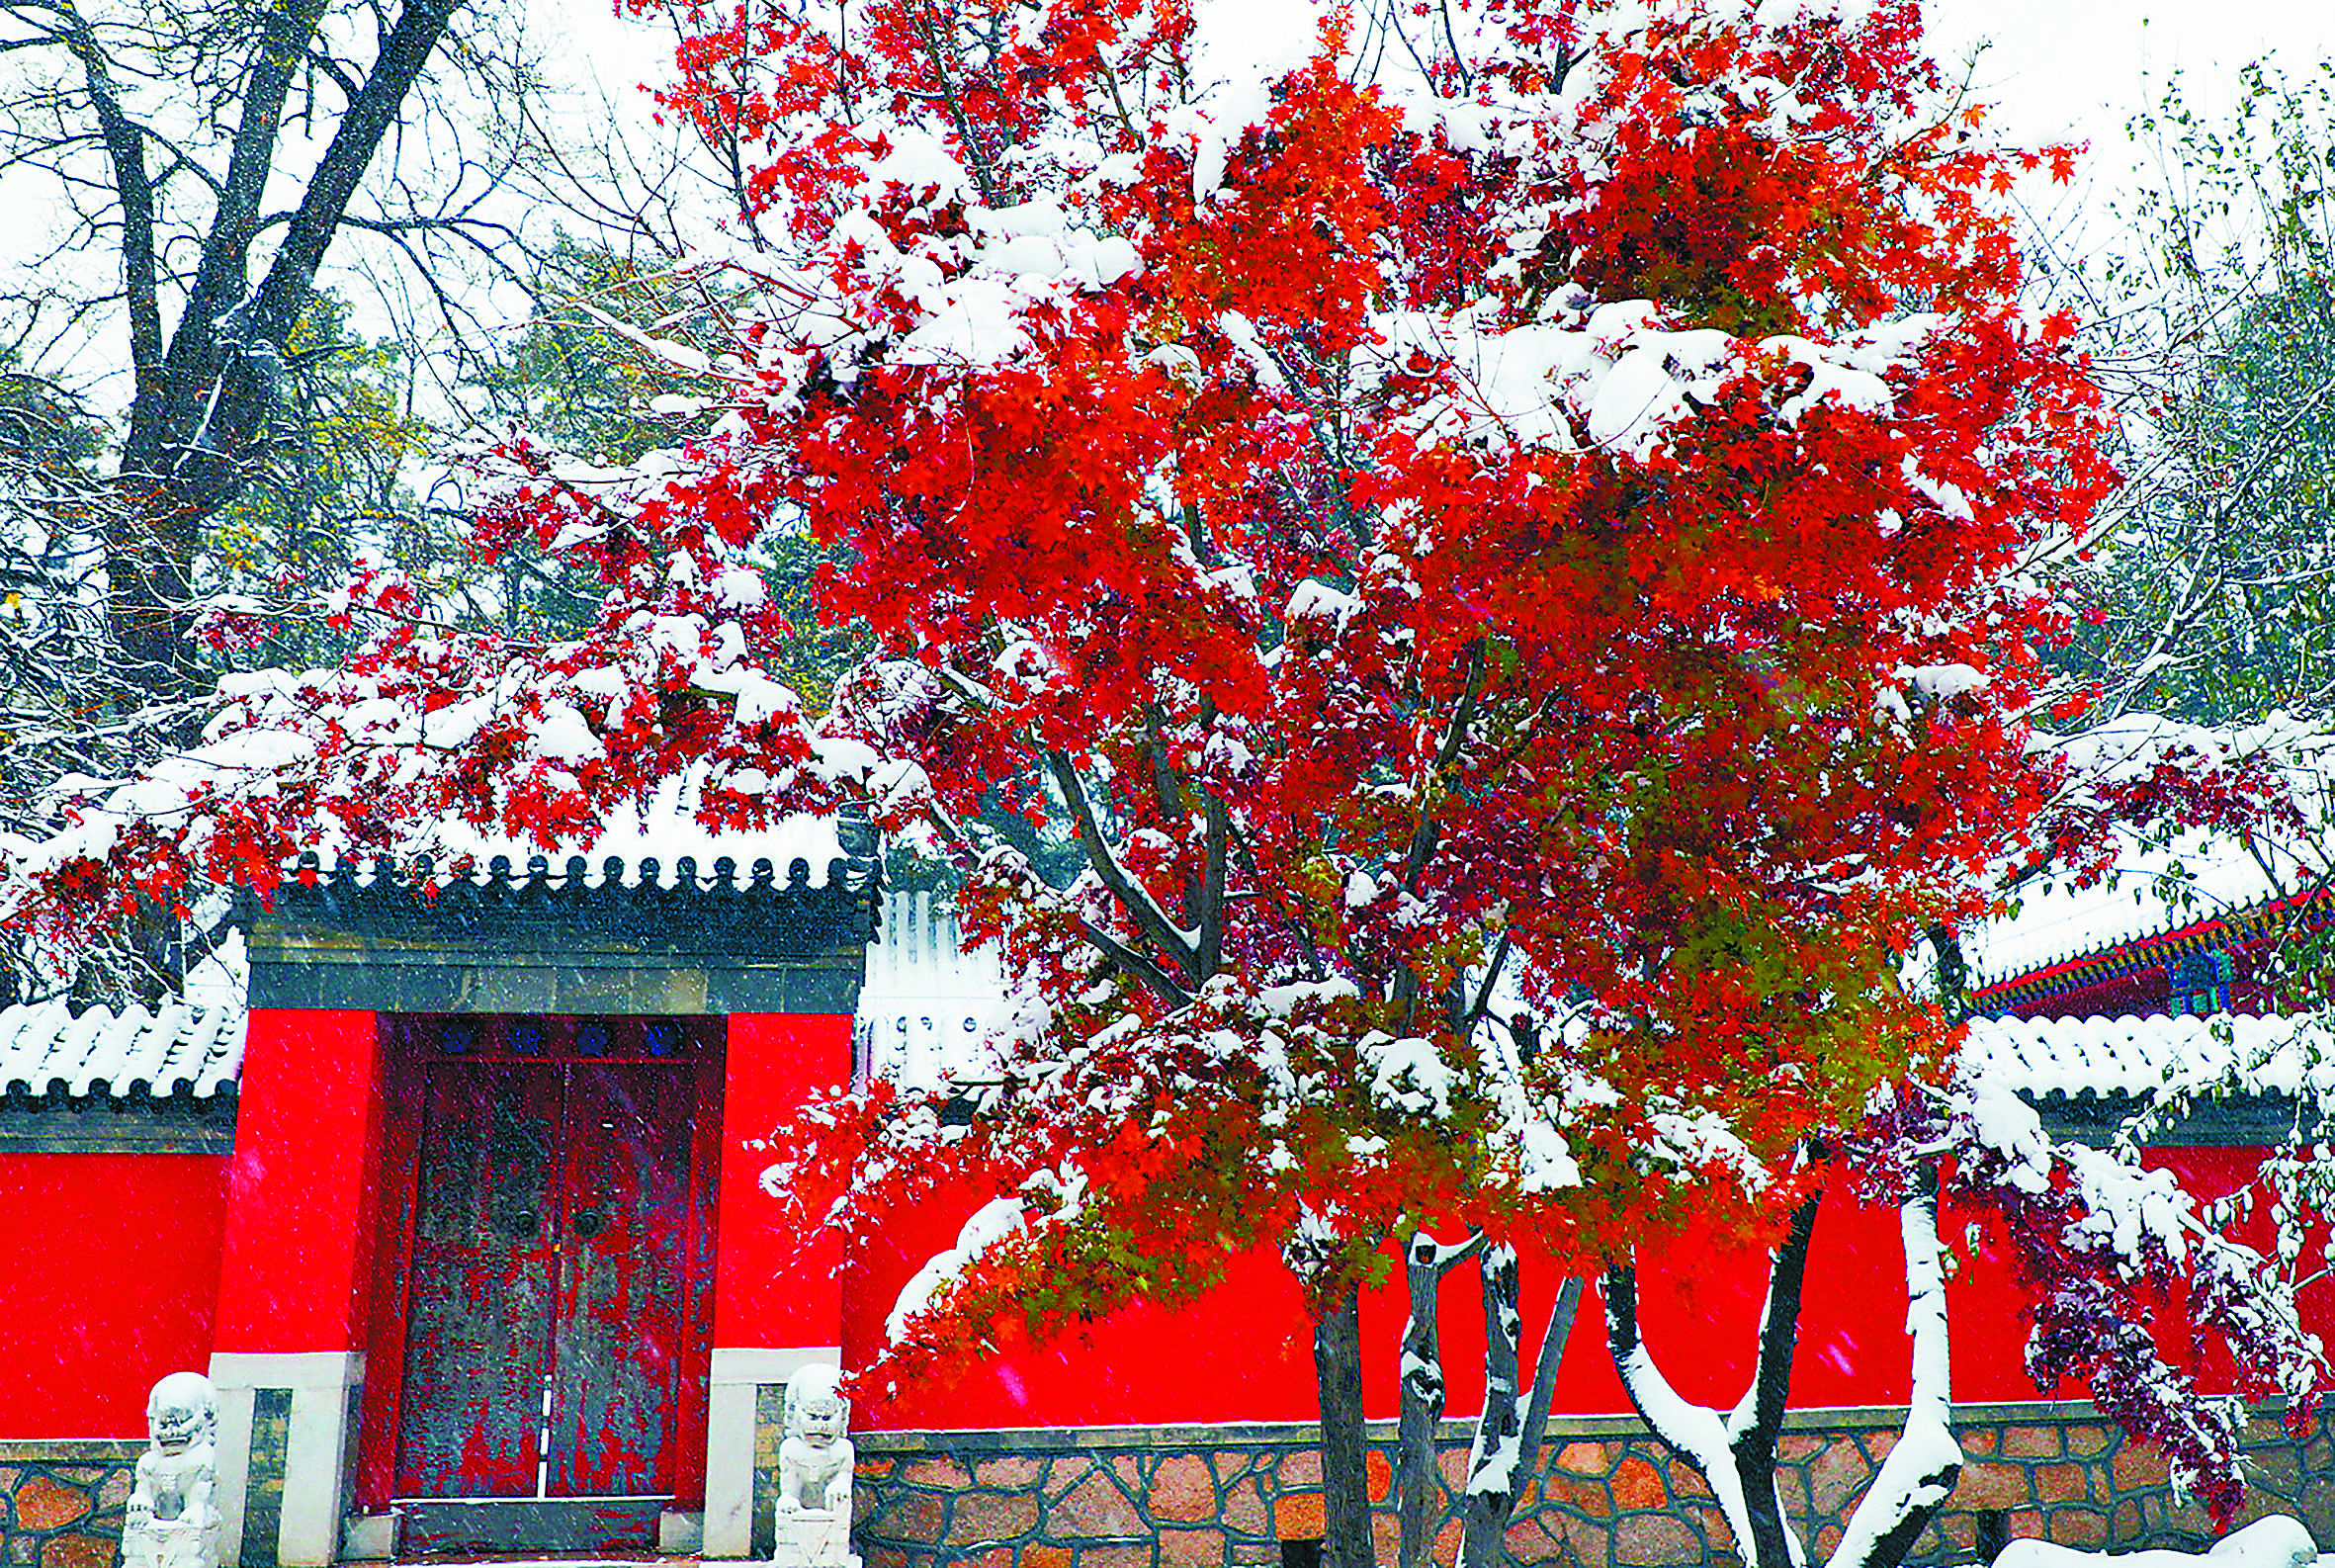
(181,1052)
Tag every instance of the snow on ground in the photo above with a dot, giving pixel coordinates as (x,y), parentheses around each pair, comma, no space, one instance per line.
(2273,1542)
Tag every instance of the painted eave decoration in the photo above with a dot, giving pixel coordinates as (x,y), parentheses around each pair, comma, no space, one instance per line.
(2130,954)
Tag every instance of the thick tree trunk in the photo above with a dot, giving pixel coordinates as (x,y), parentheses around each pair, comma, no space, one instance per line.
(1345,1474)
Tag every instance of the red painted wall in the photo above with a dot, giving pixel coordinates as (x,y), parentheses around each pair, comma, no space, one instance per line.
(296,1270)
(108,1274)
(772,1286)
(1244,1353)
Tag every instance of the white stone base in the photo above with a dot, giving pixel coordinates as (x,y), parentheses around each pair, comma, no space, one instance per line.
(681,1535)
(812,1540)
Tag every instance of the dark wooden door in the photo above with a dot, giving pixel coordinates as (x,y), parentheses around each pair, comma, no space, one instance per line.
(549,1293)
(623,1301)
(484,1280)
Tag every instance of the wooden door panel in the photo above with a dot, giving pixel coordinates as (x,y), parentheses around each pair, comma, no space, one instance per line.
(482,1283)
(623,1304)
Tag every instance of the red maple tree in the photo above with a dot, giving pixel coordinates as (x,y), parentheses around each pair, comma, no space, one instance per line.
(1438,503)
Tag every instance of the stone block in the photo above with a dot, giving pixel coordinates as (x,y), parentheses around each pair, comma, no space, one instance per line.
(1192,1548)
(42,1503)
(2138,1467)
(2029,1523)
(115,1490)
(915,1517)
(2277,1469)
(1117,1555)
(1637,1485)
(1094,1508)
(1654,1540)
(1828,1541)
(2125,1524)
(1686,1481)
(1583,1459)
(1042,1554)
(1446,1548)
(1452,1463)
(77,1550)
(992,1517)
(1382,1475)
(1299,1467)
(1987,1485)
(1978,1442)
(2062,1483)
(1299,1515)
(2032,1443)
(935,1469)
(2090,1438)
(1800,1445)
(1181,1488)
(1229,1463)
(1006,1472)
(2079,1527)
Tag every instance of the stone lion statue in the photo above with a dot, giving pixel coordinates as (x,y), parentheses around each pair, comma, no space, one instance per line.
(171,1521)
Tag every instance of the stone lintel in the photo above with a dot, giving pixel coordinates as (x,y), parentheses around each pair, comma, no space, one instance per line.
(103,1125)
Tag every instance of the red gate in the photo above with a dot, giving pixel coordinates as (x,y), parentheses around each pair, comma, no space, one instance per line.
(550,1303)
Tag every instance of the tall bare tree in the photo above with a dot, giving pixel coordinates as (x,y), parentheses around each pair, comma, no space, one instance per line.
(196,168)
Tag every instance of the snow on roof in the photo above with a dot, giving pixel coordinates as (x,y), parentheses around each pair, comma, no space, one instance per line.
(181,1049)
(662,832)
(2154,887)
(2103,1056)
(2201,877)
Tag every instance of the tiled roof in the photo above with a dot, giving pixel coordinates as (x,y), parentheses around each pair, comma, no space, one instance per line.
(2098,1057)
(181,1052)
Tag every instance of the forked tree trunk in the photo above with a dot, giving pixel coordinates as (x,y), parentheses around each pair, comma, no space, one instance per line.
(1507,1450)
(1346,1475)
(1509,1430)
(1736,1450)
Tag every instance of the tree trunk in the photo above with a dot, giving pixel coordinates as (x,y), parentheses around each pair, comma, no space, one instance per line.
(1496,1475)
(1924,1464)
(1418,1482)
(1753,1446)
(1346,1475)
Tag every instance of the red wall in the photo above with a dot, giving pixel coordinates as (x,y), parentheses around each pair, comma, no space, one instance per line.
(109,1274)
(774,1272)
(299,1249)
(1244,1353)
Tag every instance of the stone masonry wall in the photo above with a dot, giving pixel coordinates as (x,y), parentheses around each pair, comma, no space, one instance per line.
(61,1502)
(1610,1497)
